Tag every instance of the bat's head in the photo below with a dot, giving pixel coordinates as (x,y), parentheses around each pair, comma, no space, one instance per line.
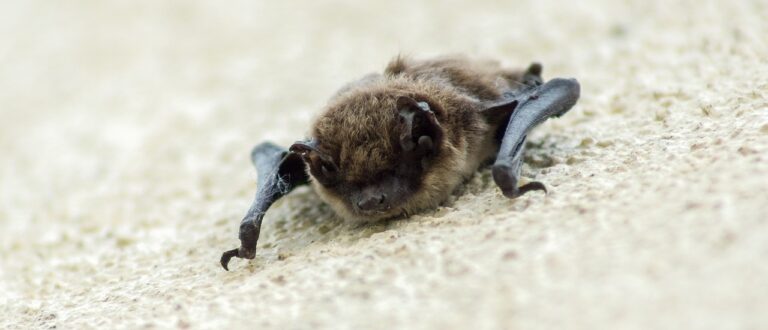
(376,155)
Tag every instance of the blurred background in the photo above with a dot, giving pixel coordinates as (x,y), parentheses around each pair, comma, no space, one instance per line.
(125,129)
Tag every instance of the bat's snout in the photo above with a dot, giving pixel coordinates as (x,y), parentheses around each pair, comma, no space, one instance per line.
(372,201)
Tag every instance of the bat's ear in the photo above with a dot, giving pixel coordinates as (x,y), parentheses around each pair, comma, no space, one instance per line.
(420,132)
(321,166)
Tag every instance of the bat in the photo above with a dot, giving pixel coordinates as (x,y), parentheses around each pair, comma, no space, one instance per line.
(395,143)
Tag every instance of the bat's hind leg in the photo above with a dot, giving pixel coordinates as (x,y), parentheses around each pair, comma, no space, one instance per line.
(533,106)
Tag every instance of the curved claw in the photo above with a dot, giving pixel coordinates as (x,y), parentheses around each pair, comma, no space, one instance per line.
(239,253)
(227,256)
(531,186)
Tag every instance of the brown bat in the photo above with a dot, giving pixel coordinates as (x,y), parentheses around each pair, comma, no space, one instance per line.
(396,143)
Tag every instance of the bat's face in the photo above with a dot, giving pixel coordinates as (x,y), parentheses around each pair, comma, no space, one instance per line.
(370,155)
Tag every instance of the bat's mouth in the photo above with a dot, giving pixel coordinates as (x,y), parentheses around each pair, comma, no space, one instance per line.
(379,209)
(373,215)
(380,212)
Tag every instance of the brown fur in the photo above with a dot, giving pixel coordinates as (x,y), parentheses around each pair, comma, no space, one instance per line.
(359,127)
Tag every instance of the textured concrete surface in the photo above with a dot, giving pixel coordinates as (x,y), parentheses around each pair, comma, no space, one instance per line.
(125,129)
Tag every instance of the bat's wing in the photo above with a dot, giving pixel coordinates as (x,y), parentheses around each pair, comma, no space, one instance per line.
(530,106)
(279,171)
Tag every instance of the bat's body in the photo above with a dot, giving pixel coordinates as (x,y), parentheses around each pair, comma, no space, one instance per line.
(396,143)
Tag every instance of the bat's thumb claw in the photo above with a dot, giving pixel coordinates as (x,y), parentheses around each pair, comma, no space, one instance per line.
(530,186)
(226,256)
(239,253)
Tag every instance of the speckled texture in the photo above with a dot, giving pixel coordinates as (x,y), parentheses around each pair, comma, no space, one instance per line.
(125,129)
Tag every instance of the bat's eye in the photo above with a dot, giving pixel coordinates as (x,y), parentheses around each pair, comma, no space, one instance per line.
(320,164)
(328,171)
(325,172)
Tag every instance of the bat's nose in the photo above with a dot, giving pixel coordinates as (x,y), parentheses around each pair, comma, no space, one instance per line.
(372,202)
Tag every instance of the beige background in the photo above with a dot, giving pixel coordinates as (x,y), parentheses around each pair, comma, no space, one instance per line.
(125,128)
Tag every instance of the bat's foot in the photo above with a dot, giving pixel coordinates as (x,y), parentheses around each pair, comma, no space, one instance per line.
(507,181)
(239,253)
